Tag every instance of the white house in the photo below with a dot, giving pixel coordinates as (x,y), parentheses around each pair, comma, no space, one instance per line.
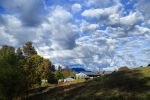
(80,75)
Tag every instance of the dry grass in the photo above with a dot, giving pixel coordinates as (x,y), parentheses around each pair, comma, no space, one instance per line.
(123,85)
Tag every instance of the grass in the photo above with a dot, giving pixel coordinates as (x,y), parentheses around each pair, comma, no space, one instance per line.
(122,85)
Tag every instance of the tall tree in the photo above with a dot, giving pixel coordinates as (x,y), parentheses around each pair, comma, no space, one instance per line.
(67,72)
(11,75)
(59,73)
(29,49)
(30,68)
(20,53)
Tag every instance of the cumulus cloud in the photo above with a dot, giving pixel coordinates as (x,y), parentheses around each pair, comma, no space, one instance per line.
(143,6)
(88,27)
(30,12)
(76,7)
(100,13)
(101,3)
(62,32)
(105,37)
(2,20)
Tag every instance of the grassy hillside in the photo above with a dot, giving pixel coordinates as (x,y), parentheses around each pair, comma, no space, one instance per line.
(122,85)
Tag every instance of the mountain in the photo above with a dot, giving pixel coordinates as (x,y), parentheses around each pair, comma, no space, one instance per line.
(79,70)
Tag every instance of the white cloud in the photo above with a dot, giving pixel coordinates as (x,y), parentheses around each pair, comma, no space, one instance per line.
(30,12)
(60,15)
(101,3)
(59,30)
(14,30)
(131,19)
(143,7)
(76,7)
(101,13)
(88,27)
(105,37)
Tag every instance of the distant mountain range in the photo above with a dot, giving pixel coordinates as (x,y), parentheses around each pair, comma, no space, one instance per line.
(79,70)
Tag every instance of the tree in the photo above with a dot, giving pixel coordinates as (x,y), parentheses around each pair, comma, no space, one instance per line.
(59,73)
(11,75)
(21,70)
(38,68)
(29,49)
(31,69)
(53,68)
(67,72)
(20,54)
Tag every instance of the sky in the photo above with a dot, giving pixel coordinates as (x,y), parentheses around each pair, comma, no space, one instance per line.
(93,34)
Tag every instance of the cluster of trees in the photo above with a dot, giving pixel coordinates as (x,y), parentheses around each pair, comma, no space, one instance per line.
(21,69)
(64,73)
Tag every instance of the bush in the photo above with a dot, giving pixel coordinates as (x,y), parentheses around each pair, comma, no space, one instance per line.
(124,68)
(148,65)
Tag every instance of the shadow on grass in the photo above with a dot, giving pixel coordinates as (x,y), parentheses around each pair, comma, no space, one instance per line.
(127,85)
(123,85)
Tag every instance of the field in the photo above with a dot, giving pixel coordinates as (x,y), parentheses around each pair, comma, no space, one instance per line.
(122,85)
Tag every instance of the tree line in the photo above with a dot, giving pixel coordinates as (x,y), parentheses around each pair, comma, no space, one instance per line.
(22,68)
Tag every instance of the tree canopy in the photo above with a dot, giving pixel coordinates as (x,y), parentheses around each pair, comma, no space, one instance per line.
(21,70)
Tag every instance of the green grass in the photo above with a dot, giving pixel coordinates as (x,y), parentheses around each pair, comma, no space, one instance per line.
(122,85)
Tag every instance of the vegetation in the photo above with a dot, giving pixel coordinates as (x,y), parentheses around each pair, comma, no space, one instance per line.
(64,73)
(67,72)
(121,85)
(124,68)
(21,70)
(11,75)
(59,73)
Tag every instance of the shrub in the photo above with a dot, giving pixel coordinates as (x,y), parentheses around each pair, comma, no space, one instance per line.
(124,68)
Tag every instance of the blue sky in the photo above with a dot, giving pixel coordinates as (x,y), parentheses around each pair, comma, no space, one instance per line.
(92,34)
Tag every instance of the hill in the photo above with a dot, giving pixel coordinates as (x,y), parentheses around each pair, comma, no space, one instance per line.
(78,70)
(121,85)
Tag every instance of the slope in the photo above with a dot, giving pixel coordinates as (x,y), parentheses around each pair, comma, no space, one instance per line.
(122,85)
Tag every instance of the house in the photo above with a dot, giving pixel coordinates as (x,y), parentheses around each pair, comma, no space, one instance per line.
(80,75)
(87,75)
(92,74)
(69,79)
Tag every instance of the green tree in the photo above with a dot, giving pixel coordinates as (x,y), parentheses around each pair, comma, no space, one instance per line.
(38,68)
(31,69)
(29,49)
(59,73)
(29,60)
(19,53)
(11,75)
(44,69)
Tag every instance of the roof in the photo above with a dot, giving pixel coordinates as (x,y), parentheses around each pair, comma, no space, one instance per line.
(107,72)
(91,73)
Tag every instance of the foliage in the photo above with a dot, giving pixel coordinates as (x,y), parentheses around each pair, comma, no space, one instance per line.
(11,75)
(67,72)
(35,66)
(28,49)
(124,68)
(21,70)
(52,78)
(59,74)
(141,66)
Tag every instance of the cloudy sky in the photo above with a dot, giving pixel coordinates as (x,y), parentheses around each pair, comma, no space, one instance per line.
(92,34)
